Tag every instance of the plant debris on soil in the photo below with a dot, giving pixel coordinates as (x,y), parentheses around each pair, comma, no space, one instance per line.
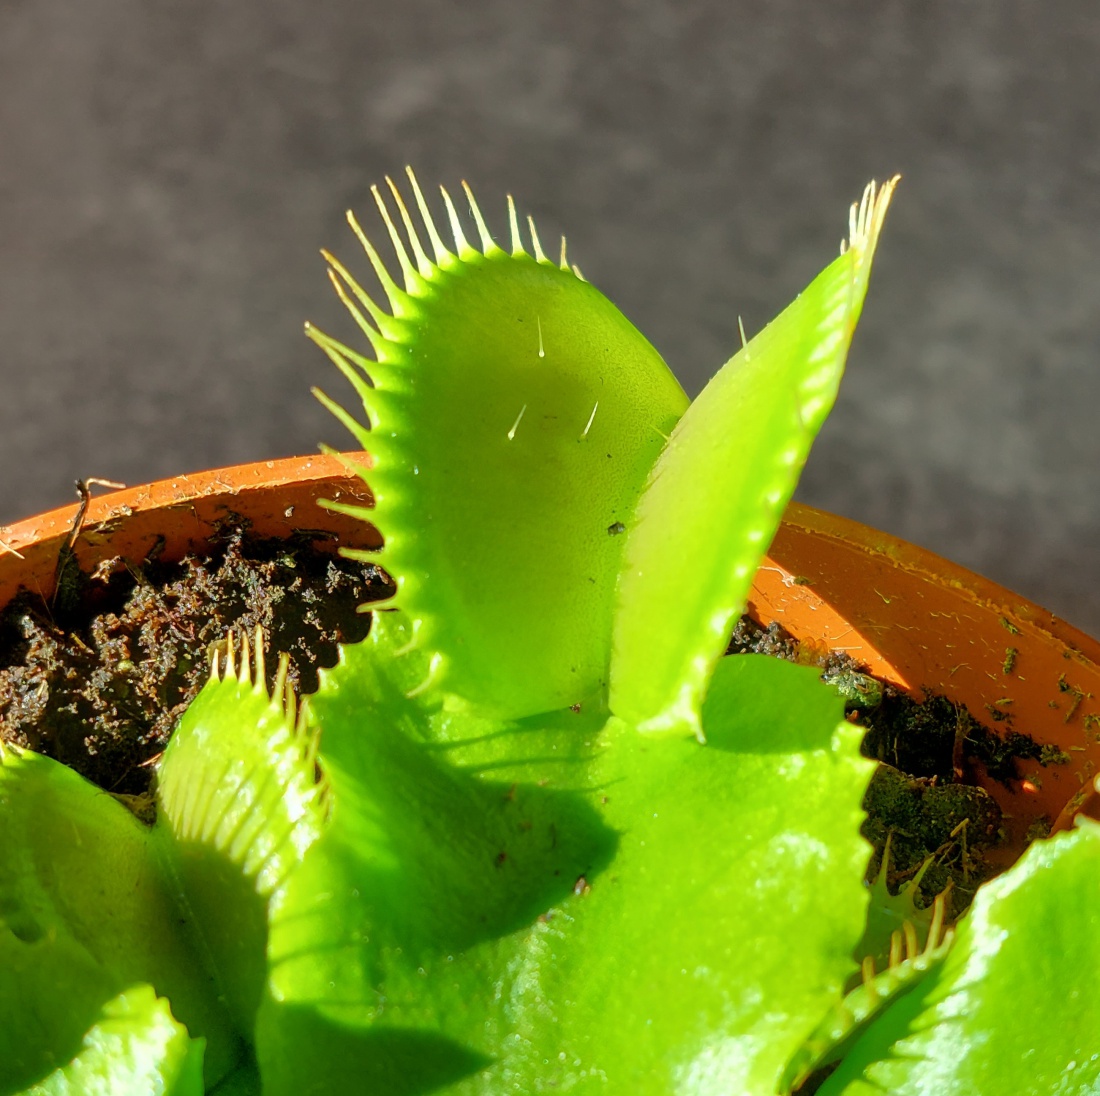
(98,676)
(924,796)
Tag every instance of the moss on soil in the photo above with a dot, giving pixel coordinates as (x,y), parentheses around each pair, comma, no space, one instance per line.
(99,678)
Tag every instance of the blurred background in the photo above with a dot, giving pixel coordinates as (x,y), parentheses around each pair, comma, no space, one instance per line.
(168,172)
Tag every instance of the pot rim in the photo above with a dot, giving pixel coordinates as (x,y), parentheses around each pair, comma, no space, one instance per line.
(206,491)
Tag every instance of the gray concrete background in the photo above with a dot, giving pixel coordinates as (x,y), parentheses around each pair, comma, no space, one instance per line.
(168,170)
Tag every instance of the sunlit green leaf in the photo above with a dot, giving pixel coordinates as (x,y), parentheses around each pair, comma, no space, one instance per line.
(1014,1007)
(85,914)
(515,413)
(552,906)
(718,491)
(404,912)
(136,1048)
(237,806)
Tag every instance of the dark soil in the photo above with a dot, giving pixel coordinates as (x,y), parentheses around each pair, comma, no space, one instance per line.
(924,796)
(99,677)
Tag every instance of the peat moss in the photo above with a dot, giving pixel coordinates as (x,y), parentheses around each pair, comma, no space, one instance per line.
(951,827)
(924,797)
(99,677)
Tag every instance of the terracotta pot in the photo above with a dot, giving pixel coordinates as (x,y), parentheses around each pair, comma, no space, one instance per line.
(928,625)
(275,498)
(913,618)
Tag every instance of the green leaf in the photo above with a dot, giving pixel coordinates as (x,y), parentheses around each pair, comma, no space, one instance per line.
(427,865)
(237,806)
(1013,1009)
(725,926)
(553,906)
(85,914)
(135,1047)
(515,413)
(718,491)
(906,963)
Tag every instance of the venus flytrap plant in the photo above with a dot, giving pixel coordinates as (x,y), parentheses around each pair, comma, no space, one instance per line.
(509,397)
(235,817)
(534,834)
(769,401)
